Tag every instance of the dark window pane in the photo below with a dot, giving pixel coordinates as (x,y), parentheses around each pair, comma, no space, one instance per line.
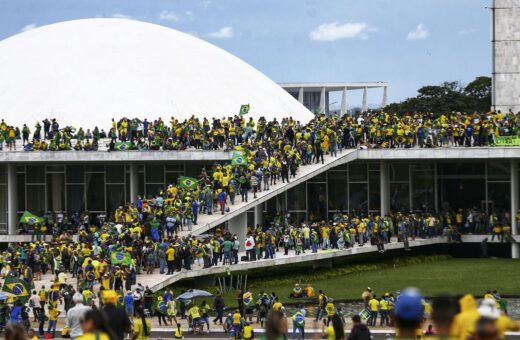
(357,172)
(75,198)
(115,173)
(3,204)
(317,201)
(462,193)
(56,192)
(153,189)
(175,167)
(95,168)
(36,199)
(115,196)
(20,187)
(462,168)
(399,196)
(399,172)
(154,173)
(358,197)
(296,197)
(3,174)
(35,174)
(172,177)
(55,168)
(338,191)
(499,170)
(499,198)
(375,190)
(95,192)
(75,173)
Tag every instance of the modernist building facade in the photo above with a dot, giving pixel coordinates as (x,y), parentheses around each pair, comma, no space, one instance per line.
(371,181)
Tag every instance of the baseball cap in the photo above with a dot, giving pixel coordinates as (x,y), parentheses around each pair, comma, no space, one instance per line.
(409,306)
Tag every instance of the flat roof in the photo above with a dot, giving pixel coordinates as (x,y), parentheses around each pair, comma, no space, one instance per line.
(334,86)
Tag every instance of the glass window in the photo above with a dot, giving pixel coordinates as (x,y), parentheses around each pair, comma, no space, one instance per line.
(115,173)
(322,177)
(358,197)
(140,183)
(95,191)
(399,172)
(498,170)
(95,168)
(459,193)
(297,217)
(338,191)
(55,168)
(172,177)
(375,190)
(296,197)
(3,204)
(423,191)
(56,191)
(499,198)
(115,196)
(75,198)
(317,201)
(153,189)
(20,188)
(3,174)
(75,173)
(462,168)
(36,199)
(399,196)
(357,172)
(35,174)
(154,173)
(175,167)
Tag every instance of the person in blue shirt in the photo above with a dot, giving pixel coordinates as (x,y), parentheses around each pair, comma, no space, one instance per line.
(128,301)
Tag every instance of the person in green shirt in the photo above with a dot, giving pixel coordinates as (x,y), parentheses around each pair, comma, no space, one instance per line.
(227,245)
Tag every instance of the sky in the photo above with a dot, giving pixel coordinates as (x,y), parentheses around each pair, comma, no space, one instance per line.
(407,43)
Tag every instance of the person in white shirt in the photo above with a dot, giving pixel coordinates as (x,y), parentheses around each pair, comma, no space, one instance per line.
(250,248)
(36,304)
(74,316)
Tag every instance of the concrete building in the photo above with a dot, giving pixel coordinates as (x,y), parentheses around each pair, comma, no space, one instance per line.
(315,96)
(505,16)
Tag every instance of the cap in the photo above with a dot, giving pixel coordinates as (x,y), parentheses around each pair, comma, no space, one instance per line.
(409,307)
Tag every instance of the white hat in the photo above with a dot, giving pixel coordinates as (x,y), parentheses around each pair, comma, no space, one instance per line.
(488,308)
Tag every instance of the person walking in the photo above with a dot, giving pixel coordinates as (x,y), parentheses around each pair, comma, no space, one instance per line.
(75,315)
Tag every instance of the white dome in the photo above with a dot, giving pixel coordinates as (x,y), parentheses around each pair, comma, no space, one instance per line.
(84,72)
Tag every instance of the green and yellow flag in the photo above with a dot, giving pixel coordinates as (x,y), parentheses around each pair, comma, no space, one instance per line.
(244,109)
(18,287)
(238,159)
(121,258)
(30,218)
(188,182)
(123,146)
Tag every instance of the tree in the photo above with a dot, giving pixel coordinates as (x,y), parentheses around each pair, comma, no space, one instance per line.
(447,97)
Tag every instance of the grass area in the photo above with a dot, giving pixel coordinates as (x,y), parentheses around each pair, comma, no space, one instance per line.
(452,276)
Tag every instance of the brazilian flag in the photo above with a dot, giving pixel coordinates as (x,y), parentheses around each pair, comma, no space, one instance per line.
(123,146)
(29,218)
(238,159)
(18,287)
(244,109)
(121,258)
(188,182)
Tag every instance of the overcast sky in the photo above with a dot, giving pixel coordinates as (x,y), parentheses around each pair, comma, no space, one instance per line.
(408,43)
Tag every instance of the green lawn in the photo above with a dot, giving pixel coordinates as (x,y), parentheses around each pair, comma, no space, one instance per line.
(453,276)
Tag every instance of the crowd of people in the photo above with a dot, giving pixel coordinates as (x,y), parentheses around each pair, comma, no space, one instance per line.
(367,129)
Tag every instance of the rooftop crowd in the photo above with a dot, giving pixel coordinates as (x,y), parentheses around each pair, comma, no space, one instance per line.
(369,129)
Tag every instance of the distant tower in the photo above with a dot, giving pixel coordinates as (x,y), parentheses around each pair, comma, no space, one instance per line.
(505,40)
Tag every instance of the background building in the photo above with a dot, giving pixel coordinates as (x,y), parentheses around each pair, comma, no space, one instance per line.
(505,16)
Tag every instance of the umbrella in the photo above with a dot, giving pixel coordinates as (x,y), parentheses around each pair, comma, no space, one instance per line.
(193,293)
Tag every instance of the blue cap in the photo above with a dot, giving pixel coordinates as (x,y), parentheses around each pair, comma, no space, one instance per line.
(409,307)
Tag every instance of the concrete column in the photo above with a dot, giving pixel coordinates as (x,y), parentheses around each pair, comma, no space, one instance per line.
(385,188)
(344,107)
(12,199)
(385,97)
(259,214)
(364,106)
(515,247)
(238,225)
(323,100)
(300,95)
(134,182)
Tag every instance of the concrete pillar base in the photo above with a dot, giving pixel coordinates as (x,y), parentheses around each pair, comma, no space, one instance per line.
(515,251)
(259,215)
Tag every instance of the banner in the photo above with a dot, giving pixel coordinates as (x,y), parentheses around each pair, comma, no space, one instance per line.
(18,287)
(508,140)
(123,146)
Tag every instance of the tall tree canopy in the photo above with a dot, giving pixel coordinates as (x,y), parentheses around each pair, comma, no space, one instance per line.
(447,97)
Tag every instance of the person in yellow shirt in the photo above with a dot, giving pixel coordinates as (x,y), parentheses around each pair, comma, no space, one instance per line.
(53,320)
(142,326)
(331,310)
(373,307)
(463,325)
(170,258)
(248,332)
